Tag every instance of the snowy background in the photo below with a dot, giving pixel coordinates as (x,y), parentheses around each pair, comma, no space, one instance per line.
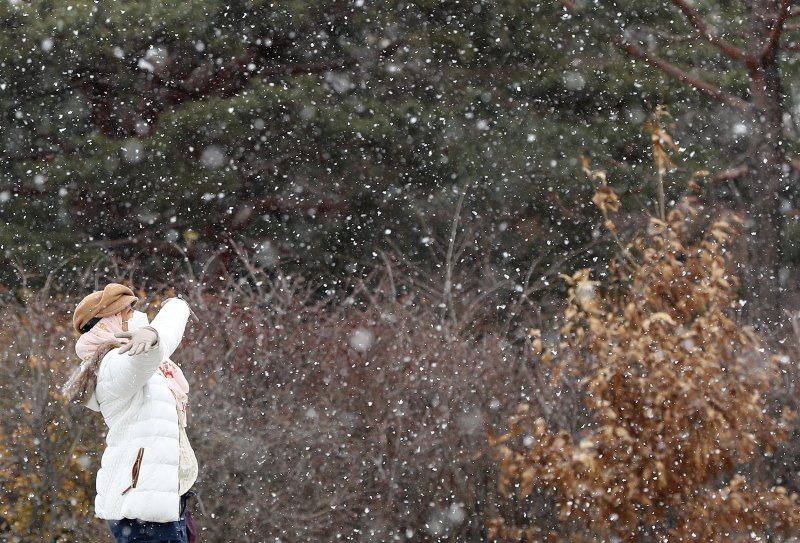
(378,211)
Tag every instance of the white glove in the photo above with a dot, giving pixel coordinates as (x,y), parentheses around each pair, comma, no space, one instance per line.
(140,340)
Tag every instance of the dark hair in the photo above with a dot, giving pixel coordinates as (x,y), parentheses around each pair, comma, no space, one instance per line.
(89,325)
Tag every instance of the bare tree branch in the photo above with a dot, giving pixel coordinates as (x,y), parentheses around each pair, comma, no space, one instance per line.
(771,47)
(730,50)
(682,75)
(678,73)
(731,173)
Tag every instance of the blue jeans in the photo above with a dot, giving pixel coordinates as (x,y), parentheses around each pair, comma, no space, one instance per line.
(139,531)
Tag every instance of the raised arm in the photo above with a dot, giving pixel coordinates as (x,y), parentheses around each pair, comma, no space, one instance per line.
(170,324)
(122,375)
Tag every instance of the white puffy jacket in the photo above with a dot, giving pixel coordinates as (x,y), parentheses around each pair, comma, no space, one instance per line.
(138,476)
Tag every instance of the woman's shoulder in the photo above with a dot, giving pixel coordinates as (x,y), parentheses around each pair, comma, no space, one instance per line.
(109,357)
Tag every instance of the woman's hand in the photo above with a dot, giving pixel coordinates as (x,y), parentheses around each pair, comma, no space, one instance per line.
(139,341)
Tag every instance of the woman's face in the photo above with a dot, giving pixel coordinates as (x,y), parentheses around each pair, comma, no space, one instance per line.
(126,314)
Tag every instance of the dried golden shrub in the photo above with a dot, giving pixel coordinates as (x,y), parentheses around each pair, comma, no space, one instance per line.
(46,490)
(675,389)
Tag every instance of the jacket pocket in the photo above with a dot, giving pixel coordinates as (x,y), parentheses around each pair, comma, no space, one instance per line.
(135,471)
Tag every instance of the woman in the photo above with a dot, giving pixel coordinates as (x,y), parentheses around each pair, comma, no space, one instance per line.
(148,466)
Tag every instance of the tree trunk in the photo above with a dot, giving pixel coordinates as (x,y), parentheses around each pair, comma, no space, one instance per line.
(766,161)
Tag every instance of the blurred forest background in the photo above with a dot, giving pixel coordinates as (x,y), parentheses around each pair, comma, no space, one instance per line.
(497,270)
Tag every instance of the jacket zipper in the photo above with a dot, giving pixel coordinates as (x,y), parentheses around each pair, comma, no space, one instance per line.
(135,472)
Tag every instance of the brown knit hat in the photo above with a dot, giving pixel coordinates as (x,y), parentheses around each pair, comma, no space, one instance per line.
(103,303)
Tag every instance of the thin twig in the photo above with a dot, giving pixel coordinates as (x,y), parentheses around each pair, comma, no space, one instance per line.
(448,277)
(389,273)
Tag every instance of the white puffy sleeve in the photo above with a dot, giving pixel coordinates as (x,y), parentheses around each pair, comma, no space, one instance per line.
(122,375)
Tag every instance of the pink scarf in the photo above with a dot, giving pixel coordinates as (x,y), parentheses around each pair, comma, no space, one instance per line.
(104,331)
